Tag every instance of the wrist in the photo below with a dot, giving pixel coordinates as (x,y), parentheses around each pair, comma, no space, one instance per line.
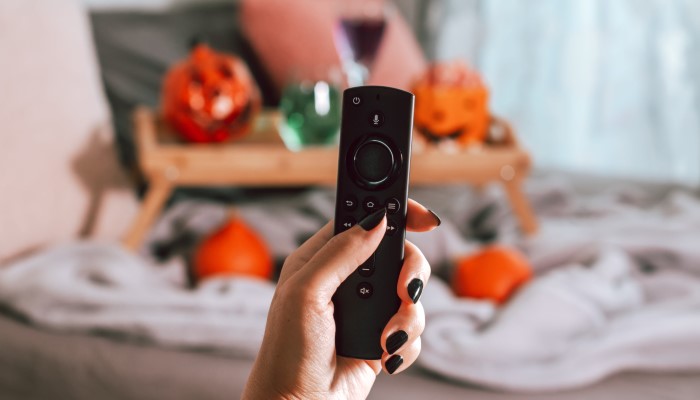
(266,394)
(262,390)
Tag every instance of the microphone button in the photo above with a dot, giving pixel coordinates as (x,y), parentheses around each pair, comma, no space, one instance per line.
(376,119)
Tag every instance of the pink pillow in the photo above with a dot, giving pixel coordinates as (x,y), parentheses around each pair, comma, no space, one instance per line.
(297,37)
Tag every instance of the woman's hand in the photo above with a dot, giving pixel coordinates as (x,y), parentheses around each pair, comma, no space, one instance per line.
(297,359)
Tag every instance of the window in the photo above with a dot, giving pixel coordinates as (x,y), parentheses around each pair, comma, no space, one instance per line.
(593,86)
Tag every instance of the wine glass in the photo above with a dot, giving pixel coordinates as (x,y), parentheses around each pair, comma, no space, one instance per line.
(358,34)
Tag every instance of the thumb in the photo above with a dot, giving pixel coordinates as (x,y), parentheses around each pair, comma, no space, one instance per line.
(343,254)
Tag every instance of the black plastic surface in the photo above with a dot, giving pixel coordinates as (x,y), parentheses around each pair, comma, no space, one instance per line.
(373,171)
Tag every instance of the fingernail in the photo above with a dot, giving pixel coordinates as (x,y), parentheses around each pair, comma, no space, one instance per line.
(393,363)
(415,289)
(439,221)
(372,220)
(395,341)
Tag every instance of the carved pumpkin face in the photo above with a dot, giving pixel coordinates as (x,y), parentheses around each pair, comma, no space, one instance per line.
(451,102)
(210,96)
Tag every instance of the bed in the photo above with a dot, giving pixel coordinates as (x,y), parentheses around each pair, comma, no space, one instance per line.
(36,364)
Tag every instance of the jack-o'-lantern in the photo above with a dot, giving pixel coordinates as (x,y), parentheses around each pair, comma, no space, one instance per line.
(452,102)
(210,96)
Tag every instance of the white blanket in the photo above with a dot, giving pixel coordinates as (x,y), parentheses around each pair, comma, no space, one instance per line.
(622,292)
(101,288)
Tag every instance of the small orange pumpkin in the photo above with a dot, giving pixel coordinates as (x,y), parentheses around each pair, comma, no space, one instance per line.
(493,273)
(452,102)
(210,96)
(233,250)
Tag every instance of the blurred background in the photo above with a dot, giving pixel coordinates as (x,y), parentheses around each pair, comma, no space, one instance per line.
(594,87)
(161,158)
(617,81)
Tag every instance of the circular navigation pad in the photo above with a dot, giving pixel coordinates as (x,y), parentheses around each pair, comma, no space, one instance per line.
(373,162)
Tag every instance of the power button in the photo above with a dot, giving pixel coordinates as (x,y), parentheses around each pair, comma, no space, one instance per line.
(356,100)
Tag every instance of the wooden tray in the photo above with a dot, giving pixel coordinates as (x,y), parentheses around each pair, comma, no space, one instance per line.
(261,159)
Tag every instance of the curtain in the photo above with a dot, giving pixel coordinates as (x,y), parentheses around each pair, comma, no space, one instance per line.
(594,86)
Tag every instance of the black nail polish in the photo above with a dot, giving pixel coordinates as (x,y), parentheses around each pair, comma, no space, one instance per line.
(371,221)
(393,363)
(395,341)
(415,289)
(439,221)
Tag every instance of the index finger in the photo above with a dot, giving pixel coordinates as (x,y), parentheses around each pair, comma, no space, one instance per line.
(418,219)
(303,254)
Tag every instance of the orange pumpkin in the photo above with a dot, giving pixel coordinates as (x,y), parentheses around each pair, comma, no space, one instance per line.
(452,102)
(210,96)
(493,273)
(233,250)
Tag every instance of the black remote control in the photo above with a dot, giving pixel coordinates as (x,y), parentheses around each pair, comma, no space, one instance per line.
(373,165)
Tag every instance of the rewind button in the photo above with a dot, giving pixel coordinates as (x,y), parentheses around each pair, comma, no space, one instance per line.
(347,223)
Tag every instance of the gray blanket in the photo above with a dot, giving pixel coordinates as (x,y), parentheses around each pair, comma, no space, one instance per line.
(81,287)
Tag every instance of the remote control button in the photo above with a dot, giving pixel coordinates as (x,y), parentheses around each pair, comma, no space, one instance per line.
(393,206)
(364,290)
(347,223)
(350,203)
(356,100)
(391,228)
(376,119)
(367,268)
(370,204)
(374,161)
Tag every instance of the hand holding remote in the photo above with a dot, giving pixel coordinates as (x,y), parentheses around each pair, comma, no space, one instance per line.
(298,355)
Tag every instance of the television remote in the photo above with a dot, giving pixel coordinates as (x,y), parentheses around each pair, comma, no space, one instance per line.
(373,166)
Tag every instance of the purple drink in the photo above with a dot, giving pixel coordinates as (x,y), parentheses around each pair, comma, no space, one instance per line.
(359,39)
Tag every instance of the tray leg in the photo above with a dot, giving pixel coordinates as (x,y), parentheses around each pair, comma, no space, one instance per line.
(157,194)
(521,206)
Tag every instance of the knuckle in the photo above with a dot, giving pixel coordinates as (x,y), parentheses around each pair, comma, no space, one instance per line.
(302,293)
(291,290)
(353,243)
(346,239)
(417,345)
(420,318)
(416,261)
(290,260)
(414,319)
(336,241)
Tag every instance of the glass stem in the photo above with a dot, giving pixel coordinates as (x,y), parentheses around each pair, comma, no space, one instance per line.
(357,73)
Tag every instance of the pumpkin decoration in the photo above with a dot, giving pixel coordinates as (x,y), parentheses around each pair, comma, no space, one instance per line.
(452,102)
(233,250)
(493,273)
(210,96)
